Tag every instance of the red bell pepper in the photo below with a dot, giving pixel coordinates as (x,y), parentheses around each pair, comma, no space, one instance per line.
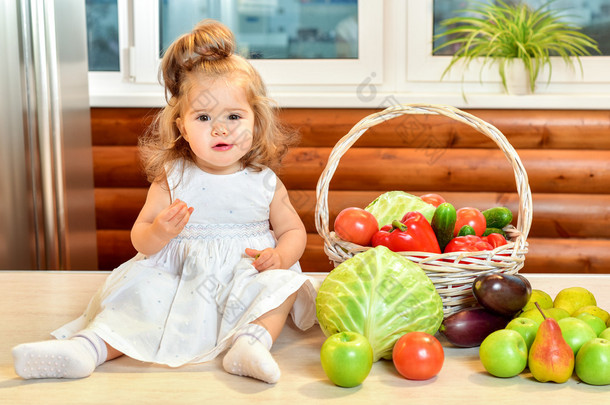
(412,234)
(468,243)
(495,240)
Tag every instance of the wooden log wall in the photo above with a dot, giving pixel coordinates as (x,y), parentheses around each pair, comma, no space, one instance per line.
(565,153)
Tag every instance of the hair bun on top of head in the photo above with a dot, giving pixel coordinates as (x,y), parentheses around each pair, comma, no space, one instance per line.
(209,41)
(212,40)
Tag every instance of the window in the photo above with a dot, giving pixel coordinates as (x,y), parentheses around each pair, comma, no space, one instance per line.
(592,16)
(103,35)
(424,70)
(149,37)
(272,29)
(294,44)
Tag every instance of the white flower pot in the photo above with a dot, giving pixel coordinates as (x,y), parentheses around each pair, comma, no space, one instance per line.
(517,78)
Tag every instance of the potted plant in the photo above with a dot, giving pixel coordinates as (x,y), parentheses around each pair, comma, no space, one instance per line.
(504,33)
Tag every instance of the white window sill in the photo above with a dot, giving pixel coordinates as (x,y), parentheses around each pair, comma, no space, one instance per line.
(152,96)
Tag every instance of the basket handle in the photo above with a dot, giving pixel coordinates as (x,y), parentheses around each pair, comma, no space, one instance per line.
(524,220)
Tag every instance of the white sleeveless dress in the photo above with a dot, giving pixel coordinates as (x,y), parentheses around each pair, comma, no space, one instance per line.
(184,303)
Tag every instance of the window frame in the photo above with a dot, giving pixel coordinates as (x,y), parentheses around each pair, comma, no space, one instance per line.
(274,72)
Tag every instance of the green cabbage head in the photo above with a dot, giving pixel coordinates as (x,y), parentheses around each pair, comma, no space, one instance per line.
(395,204)
(381,295)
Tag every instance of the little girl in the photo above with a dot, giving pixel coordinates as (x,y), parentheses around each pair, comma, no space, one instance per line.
(210,274)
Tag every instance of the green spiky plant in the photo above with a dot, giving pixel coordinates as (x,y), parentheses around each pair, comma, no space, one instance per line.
(502,32)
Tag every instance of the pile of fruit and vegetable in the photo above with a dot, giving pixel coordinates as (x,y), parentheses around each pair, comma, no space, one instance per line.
(407,223)
(380,305)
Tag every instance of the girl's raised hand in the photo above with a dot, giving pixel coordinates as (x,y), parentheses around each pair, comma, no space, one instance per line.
(265,259)
(171,220)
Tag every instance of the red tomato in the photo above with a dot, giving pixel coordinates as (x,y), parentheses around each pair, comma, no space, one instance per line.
(433,199)
(470,216)
(356,225)
(418,356)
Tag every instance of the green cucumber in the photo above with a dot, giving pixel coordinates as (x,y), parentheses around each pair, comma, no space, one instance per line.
(466,230)
(443,223)
(498,217)
(494,230)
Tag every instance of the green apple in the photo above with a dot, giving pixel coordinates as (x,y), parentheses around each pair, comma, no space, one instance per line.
(347,358)
(526,327)
(593,321)
(542,298)
(592,362)
(605,334)
(555,313)
(576,332)
(593,310)
(504,353)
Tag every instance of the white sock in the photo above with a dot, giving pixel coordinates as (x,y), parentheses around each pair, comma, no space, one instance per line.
(249,356)
(76,357)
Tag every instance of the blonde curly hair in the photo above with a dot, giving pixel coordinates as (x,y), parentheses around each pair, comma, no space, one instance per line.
(207,52)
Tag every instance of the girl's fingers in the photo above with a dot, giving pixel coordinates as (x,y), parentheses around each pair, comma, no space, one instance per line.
(176,215)
(185,218)
(252,252)
(265,259)
(177,211)
(171,211)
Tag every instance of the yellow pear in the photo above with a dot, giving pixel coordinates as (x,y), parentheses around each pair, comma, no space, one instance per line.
(542,298)
(538,316)
(573,298)
(593,310)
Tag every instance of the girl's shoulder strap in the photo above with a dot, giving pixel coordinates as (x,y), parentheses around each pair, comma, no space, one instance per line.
(265,172)
(174,171)
(268,181)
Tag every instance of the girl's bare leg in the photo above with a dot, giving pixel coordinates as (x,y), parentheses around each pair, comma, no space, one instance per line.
(112,352)
(274,320)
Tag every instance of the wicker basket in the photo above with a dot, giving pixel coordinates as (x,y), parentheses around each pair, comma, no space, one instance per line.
(451,273)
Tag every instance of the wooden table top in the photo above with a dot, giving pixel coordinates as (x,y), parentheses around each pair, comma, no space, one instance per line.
(34,303)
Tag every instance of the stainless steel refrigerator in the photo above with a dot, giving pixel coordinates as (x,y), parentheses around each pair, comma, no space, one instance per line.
(47,213)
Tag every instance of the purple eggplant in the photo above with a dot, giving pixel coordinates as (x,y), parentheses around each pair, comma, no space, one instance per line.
(470,326)
(504,294)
